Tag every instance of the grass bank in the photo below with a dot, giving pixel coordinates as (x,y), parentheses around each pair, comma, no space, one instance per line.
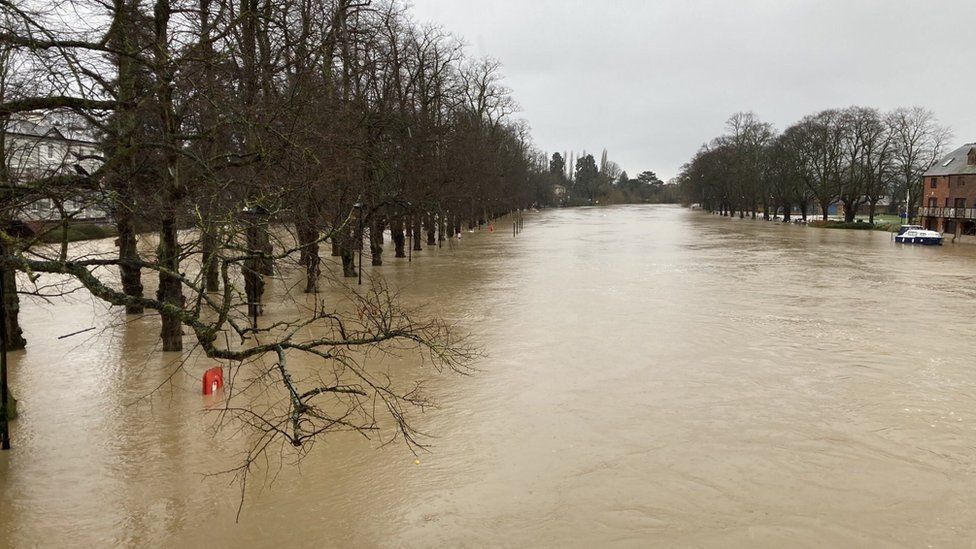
(854,225)
(80,231)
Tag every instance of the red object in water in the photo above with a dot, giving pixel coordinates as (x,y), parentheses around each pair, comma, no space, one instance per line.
(213,380)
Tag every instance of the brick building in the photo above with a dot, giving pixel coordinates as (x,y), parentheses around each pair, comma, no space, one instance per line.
(948,203)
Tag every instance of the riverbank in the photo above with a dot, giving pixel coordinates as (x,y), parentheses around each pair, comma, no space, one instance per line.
(854,225)
(78,232)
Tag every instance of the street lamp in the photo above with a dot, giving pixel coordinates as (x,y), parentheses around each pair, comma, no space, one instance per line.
(359,213)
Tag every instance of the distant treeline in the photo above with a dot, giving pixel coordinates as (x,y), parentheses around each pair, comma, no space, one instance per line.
(583,181)
(856,158)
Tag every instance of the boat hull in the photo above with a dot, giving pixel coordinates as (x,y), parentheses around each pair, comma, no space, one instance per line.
(924,240)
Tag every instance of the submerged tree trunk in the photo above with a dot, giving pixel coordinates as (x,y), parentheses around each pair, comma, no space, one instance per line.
(431,235)
(253,282)
(170,289)
(376,242)
(347,252)
(263,244)
(11,322)
(308,236)
(399,239)
(129,272)
(415,230)
(334,241)
(208,243)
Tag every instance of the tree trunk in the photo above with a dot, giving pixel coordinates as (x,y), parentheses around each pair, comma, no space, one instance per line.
(431,235)
(347,252)
(308,236)
(415,223)
(376,242)
(208,243)
(170,289)
(263,244)
(11,323)
(871,212)
(253,287)
(850,211)
(122,140)
(399,239)
(824,209)
(129,272)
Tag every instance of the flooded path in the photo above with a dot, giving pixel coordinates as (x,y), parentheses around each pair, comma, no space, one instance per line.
(655,376)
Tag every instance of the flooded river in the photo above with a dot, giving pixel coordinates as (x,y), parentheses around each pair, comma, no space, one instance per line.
(654,377)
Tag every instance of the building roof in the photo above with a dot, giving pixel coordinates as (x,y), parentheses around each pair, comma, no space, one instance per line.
(954,163)
(48,126)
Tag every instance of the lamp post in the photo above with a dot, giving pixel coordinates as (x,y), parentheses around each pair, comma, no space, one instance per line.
(359,213)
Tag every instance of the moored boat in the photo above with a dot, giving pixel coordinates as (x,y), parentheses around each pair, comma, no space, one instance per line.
(916,234)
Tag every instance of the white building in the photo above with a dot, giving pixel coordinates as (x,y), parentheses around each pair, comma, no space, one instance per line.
(42,145)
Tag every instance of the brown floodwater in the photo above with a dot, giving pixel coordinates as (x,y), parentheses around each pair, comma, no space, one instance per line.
(654,376)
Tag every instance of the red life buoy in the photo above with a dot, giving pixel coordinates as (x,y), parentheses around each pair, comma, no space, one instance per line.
(213,380)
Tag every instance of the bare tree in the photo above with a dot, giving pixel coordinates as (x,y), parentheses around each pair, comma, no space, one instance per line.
(919,141)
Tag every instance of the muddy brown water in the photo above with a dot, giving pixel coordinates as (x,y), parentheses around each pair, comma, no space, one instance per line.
(656,377)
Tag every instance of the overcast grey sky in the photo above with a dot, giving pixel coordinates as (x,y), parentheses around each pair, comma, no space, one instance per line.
(652,80)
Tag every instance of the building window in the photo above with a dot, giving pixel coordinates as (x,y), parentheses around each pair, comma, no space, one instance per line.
(932,203)
(960,203)
(50,151)
(934,182)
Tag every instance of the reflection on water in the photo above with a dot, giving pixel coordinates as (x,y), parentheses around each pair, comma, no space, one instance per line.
(654,375)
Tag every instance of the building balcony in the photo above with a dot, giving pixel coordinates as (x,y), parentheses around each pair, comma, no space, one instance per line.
(948,213)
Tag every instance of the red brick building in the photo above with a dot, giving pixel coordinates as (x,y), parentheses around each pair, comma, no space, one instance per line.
(948,203)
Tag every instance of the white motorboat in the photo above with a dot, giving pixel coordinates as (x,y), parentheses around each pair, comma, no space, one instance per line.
(916,234)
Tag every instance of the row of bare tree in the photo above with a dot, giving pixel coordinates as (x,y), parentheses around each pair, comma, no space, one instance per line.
(854,157)
(246,134)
